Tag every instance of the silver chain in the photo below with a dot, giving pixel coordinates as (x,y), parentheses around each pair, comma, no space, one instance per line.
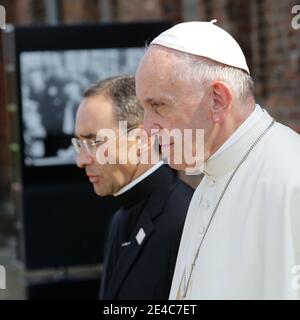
(218,203)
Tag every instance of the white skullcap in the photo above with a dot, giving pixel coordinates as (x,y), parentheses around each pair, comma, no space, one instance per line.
(204,39)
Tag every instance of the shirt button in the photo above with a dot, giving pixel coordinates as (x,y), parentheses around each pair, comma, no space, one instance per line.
(202,230)
(211,183)
(206,205)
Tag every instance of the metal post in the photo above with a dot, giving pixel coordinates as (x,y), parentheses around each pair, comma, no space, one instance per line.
(190,10)
(105,7)
(52,11)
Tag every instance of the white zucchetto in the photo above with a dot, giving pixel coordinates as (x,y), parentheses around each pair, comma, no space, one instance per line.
(204,39)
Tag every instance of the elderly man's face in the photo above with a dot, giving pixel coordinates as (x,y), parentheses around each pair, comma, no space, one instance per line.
(169,101)
(96,113)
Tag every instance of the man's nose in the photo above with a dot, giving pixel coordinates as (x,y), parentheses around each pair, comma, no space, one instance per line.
(83,159)
(151,124)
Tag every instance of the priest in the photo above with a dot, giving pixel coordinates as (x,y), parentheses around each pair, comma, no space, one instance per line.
(144,235)
(241,238)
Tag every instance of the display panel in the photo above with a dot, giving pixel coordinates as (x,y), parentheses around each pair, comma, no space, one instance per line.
(53,66)
(52,83)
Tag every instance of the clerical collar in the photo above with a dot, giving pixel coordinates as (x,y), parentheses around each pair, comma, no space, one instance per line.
(140,187)
(138,179)
(248,123)
(226,159)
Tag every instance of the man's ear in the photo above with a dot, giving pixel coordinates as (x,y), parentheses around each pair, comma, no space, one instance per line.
(222,101)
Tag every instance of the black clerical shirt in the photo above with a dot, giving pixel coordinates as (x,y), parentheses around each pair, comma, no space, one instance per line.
(144,238)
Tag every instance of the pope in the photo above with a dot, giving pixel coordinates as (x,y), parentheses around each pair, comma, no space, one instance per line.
(241,238)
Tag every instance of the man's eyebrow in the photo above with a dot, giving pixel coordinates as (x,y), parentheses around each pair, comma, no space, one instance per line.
(89,136)
(165,100)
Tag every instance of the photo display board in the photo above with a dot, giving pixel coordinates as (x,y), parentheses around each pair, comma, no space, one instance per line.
(54,65)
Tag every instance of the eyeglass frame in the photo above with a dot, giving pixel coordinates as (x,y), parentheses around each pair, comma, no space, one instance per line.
(89,144)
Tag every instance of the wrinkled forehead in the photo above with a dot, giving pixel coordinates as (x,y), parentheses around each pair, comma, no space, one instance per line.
(160,73)
(156,67)
(157,59)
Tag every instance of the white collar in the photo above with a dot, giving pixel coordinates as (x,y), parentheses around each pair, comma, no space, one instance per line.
(248,123)
(139,179)
(227,160)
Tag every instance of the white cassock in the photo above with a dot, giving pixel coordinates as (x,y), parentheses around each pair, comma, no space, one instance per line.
(252,247)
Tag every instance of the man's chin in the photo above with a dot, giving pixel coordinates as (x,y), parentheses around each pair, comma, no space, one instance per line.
(100,192)
(176,166)
(188,169)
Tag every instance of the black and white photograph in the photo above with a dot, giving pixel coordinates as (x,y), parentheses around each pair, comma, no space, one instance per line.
(52,83)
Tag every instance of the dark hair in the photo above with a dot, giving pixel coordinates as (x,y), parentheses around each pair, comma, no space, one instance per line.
(121,90)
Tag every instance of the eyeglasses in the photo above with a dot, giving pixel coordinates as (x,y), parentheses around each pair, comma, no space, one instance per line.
(89,145)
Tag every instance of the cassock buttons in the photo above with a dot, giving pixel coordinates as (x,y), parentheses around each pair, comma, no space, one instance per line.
(206,204)
(211,183)
(202,230)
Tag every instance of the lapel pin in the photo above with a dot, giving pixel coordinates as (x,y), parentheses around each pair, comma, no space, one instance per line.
(125,244)
(140,236)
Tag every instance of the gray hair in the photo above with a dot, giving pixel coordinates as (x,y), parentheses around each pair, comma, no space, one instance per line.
(121,90)
(202,70)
